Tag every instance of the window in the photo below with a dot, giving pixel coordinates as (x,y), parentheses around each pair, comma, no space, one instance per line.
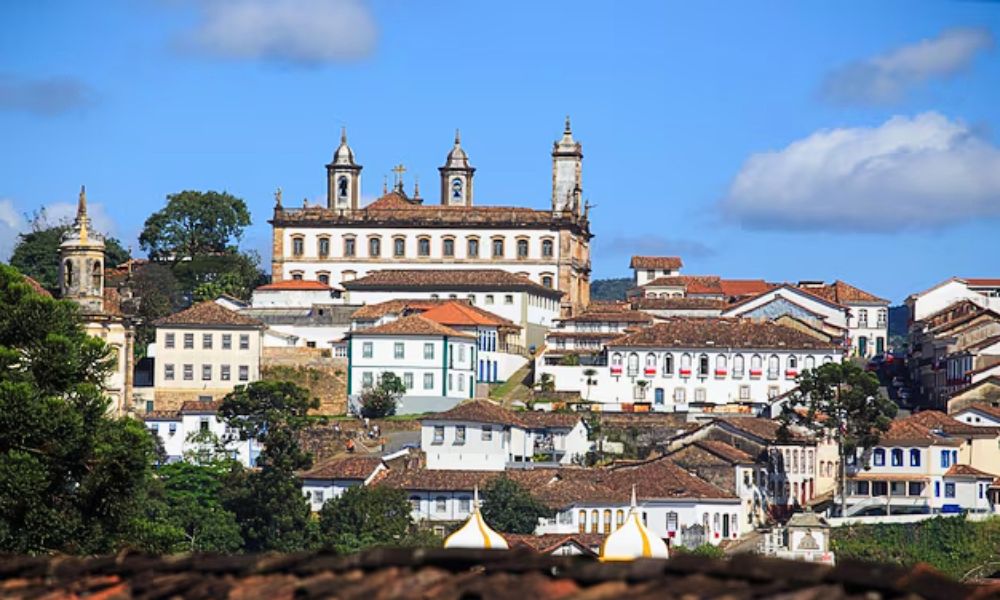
(508,299)
(188,372)
(547,248)
(415,503)
(878,457)
(203,424)
(464,504)
(883,316)
(456,189)
(489,298)
(863,317)
(744,392)
(424,247)
(349,246)
(296,275)
(772,367)
(342,188)
(594,520)
(367,380)
(168,340)
(227,341)
(897,457)
(408,380)
(522,248)
(487,433)
(498,248)
(861,488)
(68,270)
(459,433)
(189,341)
(441,504)
(428,351)
(168,372)
(915,488)
(945,459)
(738,363)
(298,246)
(671,521)
(582,518)
(438,434)
(206,372)
(756,365)
(949,490)
(793,363)
(206,341)
(685,365)
(244,341)
(374,247)
(323,248)
(914,457)
(680,395)
(699,394)
(448,247)
(397,350)
(324,278)
(668,364)
(633,364)
(607,521)
(547,281)
(244,373)
(398,247)
(703,365)
(472,248)
(224,372)
(428,381)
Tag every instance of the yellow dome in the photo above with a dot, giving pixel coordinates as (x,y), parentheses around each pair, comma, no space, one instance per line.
(475,533)
(632,540)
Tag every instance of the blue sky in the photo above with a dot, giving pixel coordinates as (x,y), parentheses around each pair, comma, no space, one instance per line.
(780,140)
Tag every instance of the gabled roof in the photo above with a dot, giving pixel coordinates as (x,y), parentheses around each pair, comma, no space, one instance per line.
(967,471)
(478,411)
(982,282)
(538,419)
(672,263)
(983,407)
(734,288)
(448,279)
(36,286)
(910,431)
(463,314)
(294,285)
(786,287)
(208,313)
(197,407)
(937,420)
(411,325)
(764,429)
(724,451)
(844,293)
(682,303)
(350,467)
(719,332)
(372,312)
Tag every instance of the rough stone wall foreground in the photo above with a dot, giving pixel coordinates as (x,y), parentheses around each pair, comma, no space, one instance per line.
(312,368)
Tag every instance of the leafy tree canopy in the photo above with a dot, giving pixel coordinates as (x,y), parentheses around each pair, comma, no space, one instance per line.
(37,252)
(510,508)
(363,517)
(381,400)
(195,224)
(156,294)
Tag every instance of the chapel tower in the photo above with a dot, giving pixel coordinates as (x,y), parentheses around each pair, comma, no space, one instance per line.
(81,262)
(343,178)
(567,173)
(456,176)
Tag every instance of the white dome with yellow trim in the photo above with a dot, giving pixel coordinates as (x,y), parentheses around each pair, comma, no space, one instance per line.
(632,540)
(475,533)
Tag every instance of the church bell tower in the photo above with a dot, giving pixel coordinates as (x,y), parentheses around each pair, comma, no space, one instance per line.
(81,262)
(456,176)
(567,173)
(343,178)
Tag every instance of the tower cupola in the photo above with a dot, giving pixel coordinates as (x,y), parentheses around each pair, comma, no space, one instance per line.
(456,176)
(567,173)
(81,262)
(343,177)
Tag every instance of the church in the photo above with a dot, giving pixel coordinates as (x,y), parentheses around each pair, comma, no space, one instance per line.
(343,241)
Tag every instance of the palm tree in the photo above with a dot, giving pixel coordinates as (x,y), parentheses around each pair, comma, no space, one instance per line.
(590,374)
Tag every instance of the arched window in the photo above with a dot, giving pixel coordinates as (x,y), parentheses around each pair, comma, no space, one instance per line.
(95,277)
(582,518)
(897,457)
(809,363)
(716,522)
(827,359)
(398,246)
(878,457)
(633,363)
(703,365)
(547,248)
(668,364)
(324,278)
(809,461)
(616,359)
(685,364)
(756,365)
(472,248)
(607,521)
(914,457)
(522,248)
(738,365)
(720,365)
(448,247)
(68,273)
(594,520)
(619,517)
(649,368)
(772,366)
(296,275)
(793,362)
(424,246)
(671,521)
(374,247)
(342,188)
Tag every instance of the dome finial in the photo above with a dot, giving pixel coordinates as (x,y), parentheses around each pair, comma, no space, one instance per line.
(458,136)
(343,134)
(568,128)
(81,205)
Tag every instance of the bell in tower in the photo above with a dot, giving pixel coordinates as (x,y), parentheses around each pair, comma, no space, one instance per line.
(343,178)
(567,173)
(81,262)
(456,176)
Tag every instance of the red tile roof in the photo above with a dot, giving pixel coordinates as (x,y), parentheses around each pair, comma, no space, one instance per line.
(967,471)
(478,411)
(208,313)
(683,303)
(843,293)
(765,429)
(449,279)
(910,431)
(550,542)
(456,313)
(411,325)
(295,285)
(617,316)
(672,263)
(725,451)
(351,467)
(983,407)
(36,286)
(371,312)
(539,419)
(936,420)
(734,288)
(195,407)
(718,332)
(982,282)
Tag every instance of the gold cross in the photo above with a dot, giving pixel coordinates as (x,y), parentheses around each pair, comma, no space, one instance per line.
(399,170)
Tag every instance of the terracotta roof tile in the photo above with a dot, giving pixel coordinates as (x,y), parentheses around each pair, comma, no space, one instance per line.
(718,332)
(725,451)
(455,313)
(478,411)
(842,293)
(672,263)
(765,429)
(663,478)
(982,282)
(195,407)
(402,306)
(549,542)
(936,420)
(734,288)
(295,285)
(538,419)
(619,316)
(916,432)
(36,286)
(682,303)
(967,471)
(350,467)
(208,313)
(411,325)
(448,279)
(983,407)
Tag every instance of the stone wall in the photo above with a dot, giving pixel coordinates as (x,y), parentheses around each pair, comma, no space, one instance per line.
(312,368)
(171,399)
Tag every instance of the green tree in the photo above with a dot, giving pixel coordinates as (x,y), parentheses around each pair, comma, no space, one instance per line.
(268,503)
(380,401)
(843,400)
(71,478)
(363,517)
(510,508)
(156,294)
(37,252)
(195,224)
(590,381)
(207,277)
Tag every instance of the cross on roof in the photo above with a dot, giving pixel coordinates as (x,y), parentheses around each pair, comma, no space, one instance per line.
(398,170)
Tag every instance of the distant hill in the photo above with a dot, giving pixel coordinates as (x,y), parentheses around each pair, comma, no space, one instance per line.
(610,289)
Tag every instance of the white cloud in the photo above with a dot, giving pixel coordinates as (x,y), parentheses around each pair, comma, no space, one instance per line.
(921,172)
(887,77)
(13,220)
(291,31)
(11,224)
(49,96)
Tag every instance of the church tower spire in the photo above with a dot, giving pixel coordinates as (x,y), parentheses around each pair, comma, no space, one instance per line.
(567,173)
(456,176)
(81,262)
(343,177)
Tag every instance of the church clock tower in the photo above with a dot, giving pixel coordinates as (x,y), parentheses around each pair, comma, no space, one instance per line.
(343,178)
(456,177)
(81,262)
(567,173)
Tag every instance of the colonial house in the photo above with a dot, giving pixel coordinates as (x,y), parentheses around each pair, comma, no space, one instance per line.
(194,431)
(436,363)
(984,394)
(203,352)
(827,318)
(867,318)
(731,469)
(648,268)
(332,477)
(531,306)
(343,240)
(693,364)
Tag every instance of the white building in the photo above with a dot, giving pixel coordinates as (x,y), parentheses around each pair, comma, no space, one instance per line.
(194,430)
(985,293)
(868,315)
(343,240)
(694,364)
(648,268)
(331,478)
(532,307)
(203,352)
(437,364)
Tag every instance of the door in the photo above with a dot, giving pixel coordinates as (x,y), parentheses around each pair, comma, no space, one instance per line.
(725,526)
(863,346)
(879,345)
(658,396)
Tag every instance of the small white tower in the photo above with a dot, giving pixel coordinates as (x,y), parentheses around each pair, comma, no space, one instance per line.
(567,173)
(456,176)
(81,262)
(475,533)
(632,540)
(343,178)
